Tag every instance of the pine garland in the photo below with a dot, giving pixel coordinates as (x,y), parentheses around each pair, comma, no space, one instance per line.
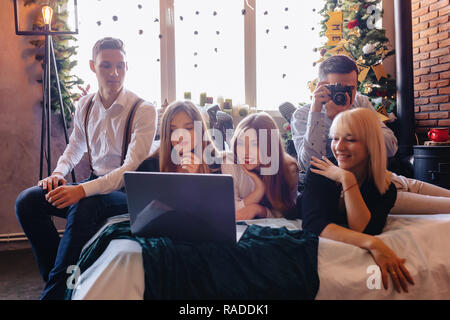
(63,56)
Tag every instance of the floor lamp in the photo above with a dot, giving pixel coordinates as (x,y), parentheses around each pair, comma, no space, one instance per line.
(49,62)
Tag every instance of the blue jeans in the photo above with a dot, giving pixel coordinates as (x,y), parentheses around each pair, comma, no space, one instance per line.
(53,254)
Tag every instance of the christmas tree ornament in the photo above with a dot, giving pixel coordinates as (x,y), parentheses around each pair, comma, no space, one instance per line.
(382,113)
(334,27)
(367,88)
(382,52)
(352,24)
(369,48)
(354,8)
(379,70)
(362,72)
(354,32)
(360,61)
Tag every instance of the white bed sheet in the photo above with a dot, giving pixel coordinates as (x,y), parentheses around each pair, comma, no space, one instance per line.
(343,269)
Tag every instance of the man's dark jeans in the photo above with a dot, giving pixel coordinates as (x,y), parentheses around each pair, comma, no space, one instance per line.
(55,255)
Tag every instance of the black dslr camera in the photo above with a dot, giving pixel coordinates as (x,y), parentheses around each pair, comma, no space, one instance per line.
(338,93)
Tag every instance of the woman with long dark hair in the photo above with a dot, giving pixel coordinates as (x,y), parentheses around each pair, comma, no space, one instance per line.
(265,176)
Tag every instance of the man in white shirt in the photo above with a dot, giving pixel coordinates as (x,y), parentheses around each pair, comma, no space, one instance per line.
(100,128)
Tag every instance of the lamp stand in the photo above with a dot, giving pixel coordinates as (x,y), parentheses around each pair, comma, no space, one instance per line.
(49,61)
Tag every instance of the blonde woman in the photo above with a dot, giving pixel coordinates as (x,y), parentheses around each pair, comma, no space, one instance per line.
(186,145)
(348,198)
(265,177)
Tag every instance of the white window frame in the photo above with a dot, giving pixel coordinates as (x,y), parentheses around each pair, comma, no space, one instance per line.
(168,76)
(167,47)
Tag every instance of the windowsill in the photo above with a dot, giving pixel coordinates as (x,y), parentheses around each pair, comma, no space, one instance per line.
(273,113)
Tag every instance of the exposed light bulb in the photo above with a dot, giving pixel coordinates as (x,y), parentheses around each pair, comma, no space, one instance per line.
(47,13)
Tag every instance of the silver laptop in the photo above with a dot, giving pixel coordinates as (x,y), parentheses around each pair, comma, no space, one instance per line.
(189,207)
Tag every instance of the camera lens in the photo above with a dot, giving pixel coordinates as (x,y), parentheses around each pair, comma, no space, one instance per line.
(340,99)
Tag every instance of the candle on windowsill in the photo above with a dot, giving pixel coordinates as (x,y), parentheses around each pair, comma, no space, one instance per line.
(220,102)
(228,104)
(243,110)
(235,109)
(187,95)
(202,99)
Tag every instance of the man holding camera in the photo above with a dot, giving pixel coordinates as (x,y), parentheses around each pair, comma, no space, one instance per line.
(335,92)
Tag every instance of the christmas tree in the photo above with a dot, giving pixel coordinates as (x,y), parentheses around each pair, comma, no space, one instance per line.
(350,27)
(63,54)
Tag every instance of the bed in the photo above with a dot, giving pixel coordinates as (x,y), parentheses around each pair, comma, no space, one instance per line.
(345,271)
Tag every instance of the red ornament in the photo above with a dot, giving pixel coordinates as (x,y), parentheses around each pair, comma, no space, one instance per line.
(352,24)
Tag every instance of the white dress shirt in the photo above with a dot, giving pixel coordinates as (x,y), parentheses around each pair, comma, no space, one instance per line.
(105,133)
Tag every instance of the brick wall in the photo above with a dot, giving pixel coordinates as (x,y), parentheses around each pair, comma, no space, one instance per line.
(431,54)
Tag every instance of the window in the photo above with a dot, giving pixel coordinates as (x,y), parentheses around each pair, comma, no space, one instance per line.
(284,51)
(209,49)
(134,22)
(263,55)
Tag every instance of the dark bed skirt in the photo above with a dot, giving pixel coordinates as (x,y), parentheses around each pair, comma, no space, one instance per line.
(267,263)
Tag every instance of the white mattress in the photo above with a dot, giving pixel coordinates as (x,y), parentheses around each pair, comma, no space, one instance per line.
(344,270)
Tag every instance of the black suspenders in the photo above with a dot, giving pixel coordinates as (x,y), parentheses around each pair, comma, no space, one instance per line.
(126,135)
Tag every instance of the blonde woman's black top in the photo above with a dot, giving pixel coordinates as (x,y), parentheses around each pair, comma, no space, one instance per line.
(320,204)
